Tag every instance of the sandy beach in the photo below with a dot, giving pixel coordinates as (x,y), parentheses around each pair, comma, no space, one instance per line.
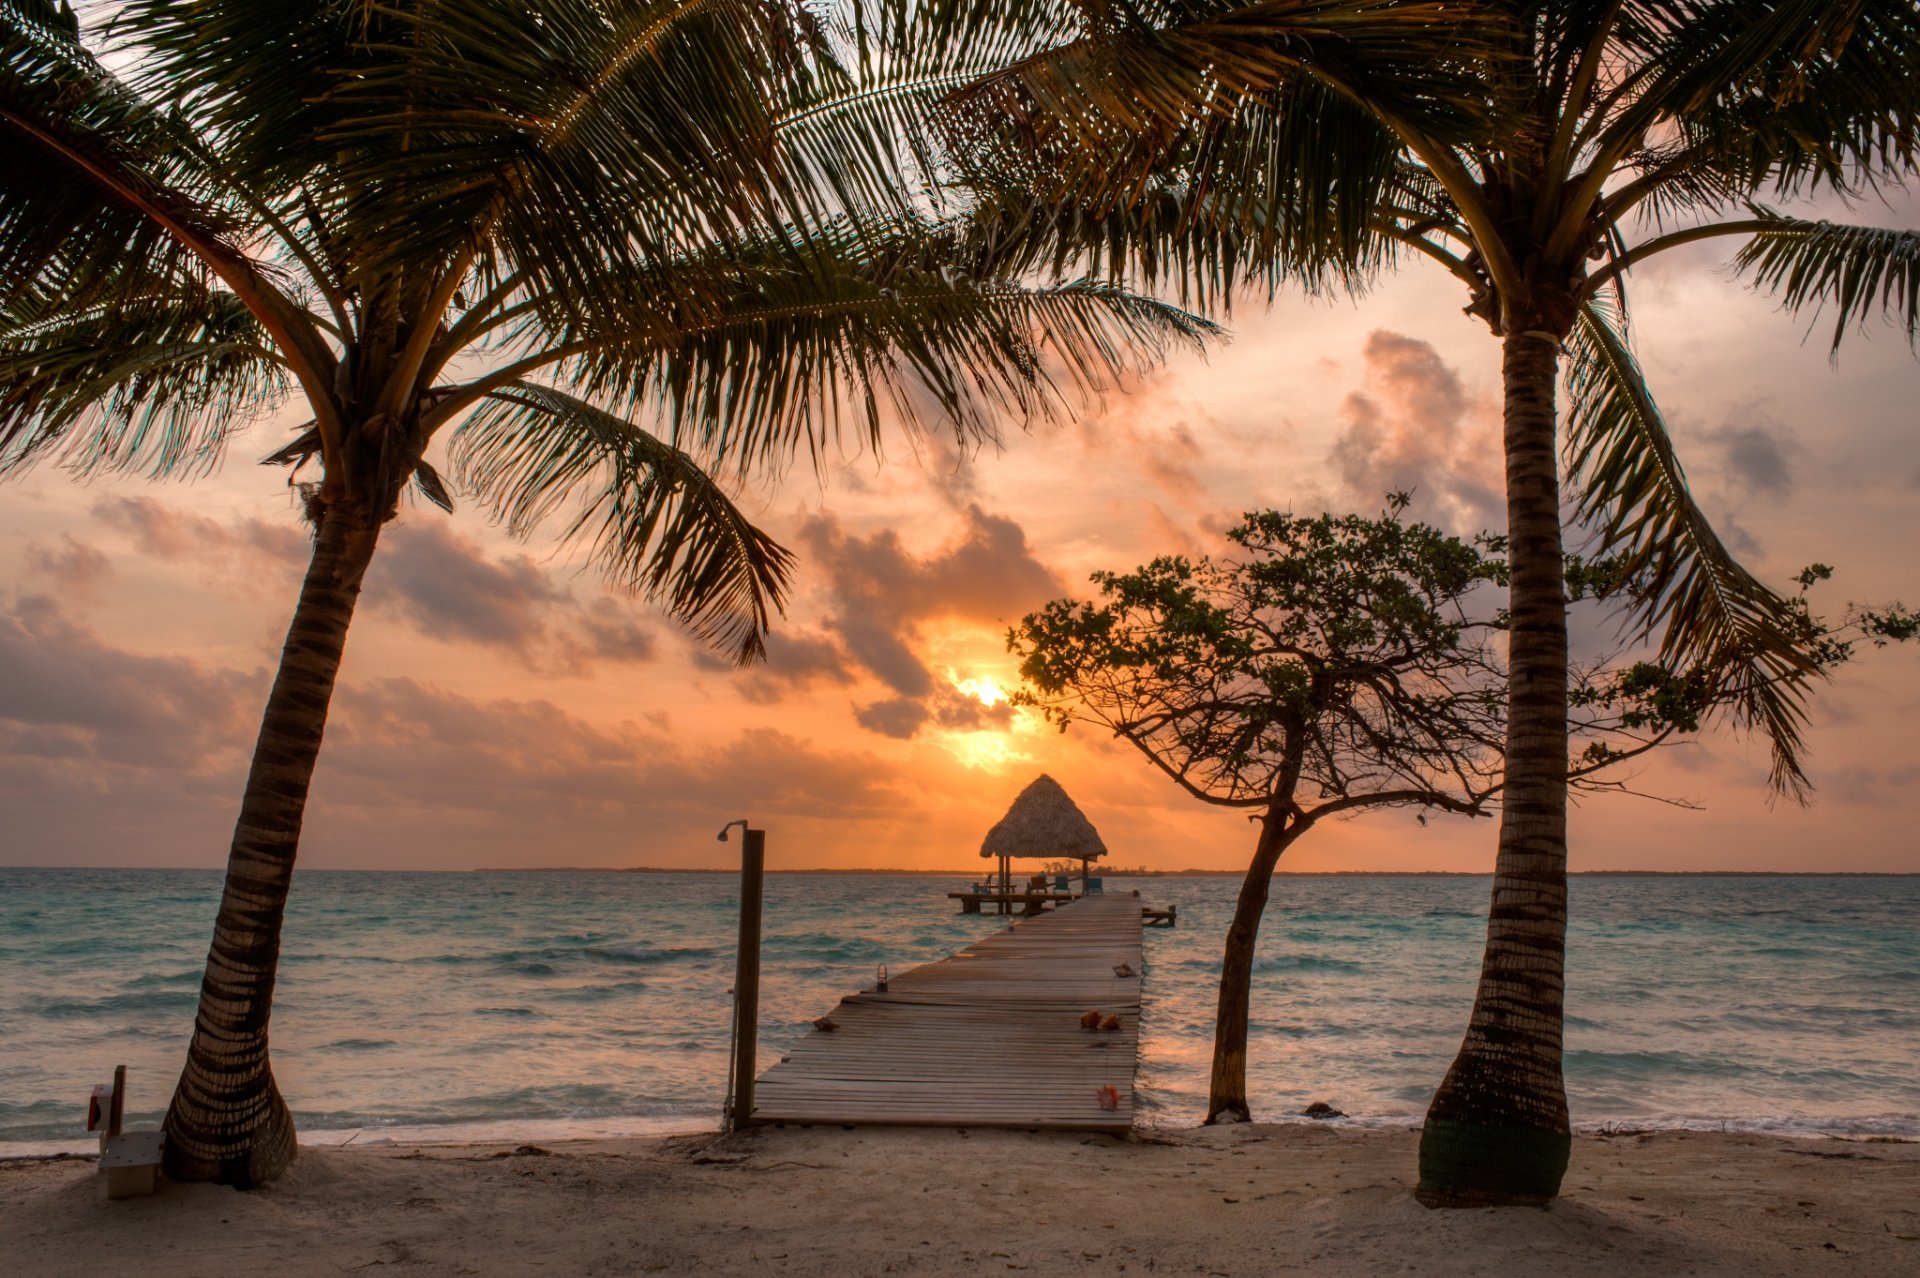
(828,1201)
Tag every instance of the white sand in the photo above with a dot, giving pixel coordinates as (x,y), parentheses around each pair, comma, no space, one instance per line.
(828,1201)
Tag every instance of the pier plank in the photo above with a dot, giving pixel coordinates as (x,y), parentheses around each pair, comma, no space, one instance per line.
(989,1037)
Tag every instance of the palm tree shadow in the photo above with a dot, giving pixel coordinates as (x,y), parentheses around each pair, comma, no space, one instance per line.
(1380,1228)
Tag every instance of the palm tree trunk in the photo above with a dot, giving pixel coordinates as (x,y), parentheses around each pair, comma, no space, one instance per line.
(1497,1129)
(1227,1092)
(227,1122)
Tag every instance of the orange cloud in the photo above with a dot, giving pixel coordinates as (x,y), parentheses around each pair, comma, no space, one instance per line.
(1420,435)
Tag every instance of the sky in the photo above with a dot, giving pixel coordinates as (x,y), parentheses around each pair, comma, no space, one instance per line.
(499,707)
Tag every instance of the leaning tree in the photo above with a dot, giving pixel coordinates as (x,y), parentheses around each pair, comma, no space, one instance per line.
(513,230)
(1537,152)
(1328,666)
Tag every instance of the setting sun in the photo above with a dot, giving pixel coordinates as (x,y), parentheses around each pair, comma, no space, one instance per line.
(982,689)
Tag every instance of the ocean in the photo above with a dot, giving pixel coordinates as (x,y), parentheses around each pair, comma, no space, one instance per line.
(541,1005)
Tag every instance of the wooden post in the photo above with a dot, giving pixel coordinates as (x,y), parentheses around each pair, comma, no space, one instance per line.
(117,1107)
(746,978)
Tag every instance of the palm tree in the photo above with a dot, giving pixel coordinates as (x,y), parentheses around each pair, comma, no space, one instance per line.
(1537,152)
(513,224)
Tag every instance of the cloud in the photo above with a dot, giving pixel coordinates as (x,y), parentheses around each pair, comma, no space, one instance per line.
(1758,461)
(113,756)
(69,695)
(447,588)
(1168,459)
(954,709)
(881,595)
(525,782)
(945,707)
(69,564)
(1418,435)
(1169,456)
(167,532)
(117,757)
(948,465)
(436,581)
(608,631)
(898,717)
(796,660)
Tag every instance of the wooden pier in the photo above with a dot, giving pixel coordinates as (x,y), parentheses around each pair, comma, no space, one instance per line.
(1026,904)
(991,1037)
(1029,904)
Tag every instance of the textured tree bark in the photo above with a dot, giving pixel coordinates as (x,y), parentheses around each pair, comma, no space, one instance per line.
(1227,1092)
(1497,1131)
(227,1122)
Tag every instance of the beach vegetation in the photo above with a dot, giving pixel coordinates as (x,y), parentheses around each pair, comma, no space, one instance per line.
(586,267)
(1538,153)
(1324,667)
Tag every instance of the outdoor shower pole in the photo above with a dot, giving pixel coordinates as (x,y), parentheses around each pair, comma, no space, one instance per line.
(746,977)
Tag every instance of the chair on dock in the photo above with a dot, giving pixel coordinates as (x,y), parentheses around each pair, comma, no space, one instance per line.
(1096,887)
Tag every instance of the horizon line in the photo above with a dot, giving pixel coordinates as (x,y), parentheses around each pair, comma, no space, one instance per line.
(1190,872)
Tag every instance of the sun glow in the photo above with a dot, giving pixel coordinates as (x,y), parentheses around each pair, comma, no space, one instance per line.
(987,751)
(982,689)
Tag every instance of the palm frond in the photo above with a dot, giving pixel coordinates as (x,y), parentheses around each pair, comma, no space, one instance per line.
(653,519)
(89,173)
(572,140)
(1787,96)
(936,323)
(1862,272)
(154,383)
(1709,611)
(1150,69)
(1283,189)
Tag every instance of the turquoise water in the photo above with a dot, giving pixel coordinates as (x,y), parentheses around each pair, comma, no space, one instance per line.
(480,1005)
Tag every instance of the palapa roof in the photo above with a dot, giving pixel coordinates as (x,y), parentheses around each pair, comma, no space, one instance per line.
(1043,821)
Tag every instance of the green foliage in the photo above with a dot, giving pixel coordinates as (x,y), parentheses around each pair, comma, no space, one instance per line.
(1333,662)
(1341,661)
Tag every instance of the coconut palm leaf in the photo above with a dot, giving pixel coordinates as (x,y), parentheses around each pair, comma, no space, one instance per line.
(1790,96)
(578,145)
(94,194)
(652,517)
(1146,74)
(1862,272)
(154,383)
(1708,610)
(1284,188)
(925,324)
(1159,62)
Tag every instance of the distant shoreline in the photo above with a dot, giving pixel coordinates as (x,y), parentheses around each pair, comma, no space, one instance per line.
(1212,874)
(976,872)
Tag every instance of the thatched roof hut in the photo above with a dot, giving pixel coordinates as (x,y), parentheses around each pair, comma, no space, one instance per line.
(1043,822)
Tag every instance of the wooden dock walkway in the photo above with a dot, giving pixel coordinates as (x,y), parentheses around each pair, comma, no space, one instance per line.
(988,1038)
